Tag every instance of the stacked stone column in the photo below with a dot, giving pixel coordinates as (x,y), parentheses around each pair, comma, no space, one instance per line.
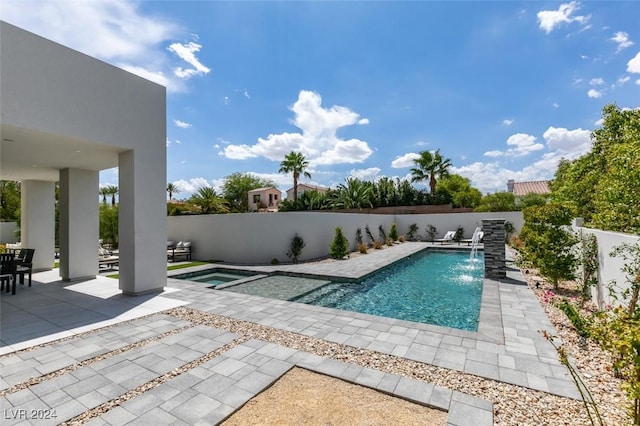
(494,248)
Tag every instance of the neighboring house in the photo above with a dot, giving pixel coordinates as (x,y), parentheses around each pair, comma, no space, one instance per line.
(303,187)
(523,188)
(264,198)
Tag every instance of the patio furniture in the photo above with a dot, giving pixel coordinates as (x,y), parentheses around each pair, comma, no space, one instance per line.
(24,264)
(448,237)
(180,250)
(470,240)
(8,272)
(107,259)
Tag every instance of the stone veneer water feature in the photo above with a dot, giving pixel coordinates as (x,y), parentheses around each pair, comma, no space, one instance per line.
(494,250)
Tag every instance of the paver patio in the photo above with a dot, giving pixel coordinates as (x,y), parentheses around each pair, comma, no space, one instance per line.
(507,347)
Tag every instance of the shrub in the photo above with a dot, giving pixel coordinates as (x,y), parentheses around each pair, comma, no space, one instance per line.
(459,234)
(295,248)
(377,245)
(381,233)
(362,248)
(402,238)
(358,236)
(431,233)
(412,235)
(578,321)
(275,261)
(339,246)
(393,232)
(389,242)
(369,234)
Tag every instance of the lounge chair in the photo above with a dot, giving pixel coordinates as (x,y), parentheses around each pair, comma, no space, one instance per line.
(470,240)
(448,237)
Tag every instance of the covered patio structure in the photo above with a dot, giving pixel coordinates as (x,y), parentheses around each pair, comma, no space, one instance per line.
(64,117)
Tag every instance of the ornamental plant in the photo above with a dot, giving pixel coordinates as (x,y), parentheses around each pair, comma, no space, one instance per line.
(547,243)
(393,232)
(382,234)
(339,246)
(413,231)
(431,232)
(372,240)
(295,248)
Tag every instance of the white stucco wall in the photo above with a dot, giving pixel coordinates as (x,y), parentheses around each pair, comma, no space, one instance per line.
(610,267)
(8,232)
(258,238)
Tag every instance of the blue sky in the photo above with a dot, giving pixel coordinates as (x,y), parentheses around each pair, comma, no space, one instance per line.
(503,89)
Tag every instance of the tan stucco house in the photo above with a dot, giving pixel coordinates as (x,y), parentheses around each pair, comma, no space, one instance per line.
(304,187)
(264,199)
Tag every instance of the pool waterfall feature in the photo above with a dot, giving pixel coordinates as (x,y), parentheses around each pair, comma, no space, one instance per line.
(495,262)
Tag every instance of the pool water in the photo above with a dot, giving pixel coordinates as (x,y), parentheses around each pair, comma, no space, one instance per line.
(433,287)
(214,278)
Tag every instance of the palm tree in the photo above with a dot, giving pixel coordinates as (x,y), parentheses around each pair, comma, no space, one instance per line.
(430,166)
(208,201)
(356,194)
(296,163)
(103,193)
(111,190)
(172,189)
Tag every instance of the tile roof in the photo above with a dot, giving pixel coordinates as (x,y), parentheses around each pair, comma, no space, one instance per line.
(536,187)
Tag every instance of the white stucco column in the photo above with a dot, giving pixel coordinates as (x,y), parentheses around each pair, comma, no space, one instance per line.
(79,224)
(37,221)
(142,221)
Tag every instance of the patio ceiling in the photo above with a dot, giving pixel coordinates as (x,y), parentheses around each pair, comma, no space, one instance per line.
(29,154)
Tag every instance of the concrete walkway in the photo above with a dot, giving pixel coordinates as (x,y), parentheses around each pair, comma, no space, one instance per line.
(224,370)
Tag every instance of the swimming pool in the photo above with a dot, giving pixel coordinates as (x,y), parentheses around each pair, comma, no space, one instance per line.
(213,277)
(433,287)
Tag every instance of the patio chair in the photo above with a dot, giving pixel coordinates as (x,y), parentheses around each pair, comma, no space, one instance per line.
(448,237)
(8,272)
(107,259)
(470,240)
(24,264)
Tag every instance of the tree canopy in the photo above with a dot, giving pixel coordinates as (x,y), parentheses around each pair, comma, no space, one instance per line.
(602,185)
(207,201)
(462,193)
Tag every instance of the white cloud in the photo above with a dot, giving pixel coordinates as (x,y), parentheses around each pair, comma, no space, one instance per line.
(551,19)
(182,124)
(318,141)
(421,143)
(363,121)
(192,185)
(622,39)
(634,64)
(115,31)
(524,144)
(555,105)
(187,52)
(623,80)
(599,122)
(405,160)
(370,174)
(570,143)
(507,122)
(494,153)
(593,93)
(596,81)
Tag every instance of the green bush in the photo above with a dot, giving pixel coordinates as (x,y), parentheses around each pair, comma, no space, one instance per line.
(339,246)
(393,232)
(413,232)
(578,321)
(295,248)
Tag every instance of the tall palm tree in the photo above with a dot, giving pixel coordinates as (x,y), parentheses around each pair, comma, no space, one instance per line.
(295,162)
(172,189)
(112,191)
(103,193)
(208,201)
(431,166)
